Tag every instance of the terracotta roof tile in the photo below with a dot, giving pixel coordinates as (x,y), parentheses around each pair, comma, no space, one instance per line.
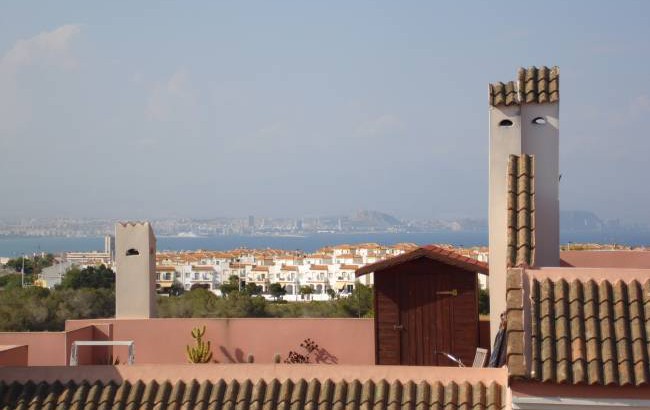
(521,210)
(612,346)
(581,331)
(539,85)
(270,395)
(533,86)
(515,354)
(503,93)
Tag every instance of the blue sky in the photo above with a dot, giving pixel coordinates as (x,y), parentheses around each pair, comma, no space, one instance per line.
(144,109)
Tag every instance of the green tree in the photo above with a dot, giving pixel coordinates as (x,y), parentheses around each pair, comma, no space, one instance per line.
(39,309)
(277,291)
(231,286)
(306,291)
(10,281)
(483,302)
(176,289)
(242,305)
(203,303)
(359,303)
(91,277)
(33,265)
(198,302)
(331,293)
(252,289)
(83,303)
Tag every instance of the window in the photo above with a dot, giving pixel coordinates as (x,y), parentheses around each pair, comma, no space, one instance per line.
(132,252)
(505,123)
(539,121)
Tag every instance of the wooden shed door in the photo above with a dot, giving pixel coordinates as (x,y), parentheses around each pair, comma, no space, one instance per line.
(426,319)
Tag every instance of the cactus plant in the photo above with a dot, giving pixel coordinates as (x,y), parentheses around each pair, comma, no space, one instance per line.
(277,358)
(250,358)
(201,352)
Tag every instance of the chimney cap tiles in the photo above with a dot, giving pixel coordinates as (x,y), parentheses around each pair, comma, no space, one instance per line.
(534,85)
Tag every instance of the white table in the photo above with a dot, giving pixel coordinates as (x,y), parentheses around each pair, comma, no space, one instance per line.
(74,358)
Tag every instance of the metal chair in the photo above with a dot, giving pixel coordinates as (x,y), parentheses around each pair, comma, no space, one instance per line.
(479,358)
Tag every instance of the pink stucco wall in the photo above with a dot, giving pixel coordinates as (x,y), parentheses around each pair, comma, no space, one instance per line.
(45,348)
(49,348)
(626,275)
(164,341)
(84,355)
(281,372)
(13,355)
(532,389)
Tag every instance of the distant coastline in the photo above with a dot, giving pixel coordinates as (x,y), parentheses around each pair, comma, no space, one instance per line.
(14,246)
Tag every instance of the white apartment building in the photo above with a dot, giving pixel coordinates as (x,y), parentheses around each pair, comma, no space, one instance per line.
(329,271)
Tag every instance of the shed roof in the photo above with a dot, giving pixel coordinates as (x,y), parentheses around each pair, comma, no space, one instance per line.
(433,252)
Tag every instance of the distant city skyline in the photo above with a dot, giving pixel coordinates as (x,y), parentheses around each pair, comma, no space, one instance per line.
(134,111)
(365,221)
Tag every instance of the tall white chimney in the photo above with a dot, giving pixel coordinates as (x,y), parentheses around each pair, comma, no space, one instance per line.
(524,119)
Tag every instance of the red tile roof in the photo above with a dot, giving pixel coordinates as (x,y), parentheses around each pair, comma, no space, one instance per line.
(434,252)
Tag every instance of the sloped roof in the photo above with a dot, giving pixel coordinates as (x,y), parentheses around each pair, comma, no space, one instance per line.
(207,268)
(433,252)
(274,394)
(584,329)
(521,210)
(533,85)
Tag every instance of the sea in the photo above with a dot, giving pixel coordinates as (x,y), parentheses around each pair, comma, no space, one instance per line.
(15,246)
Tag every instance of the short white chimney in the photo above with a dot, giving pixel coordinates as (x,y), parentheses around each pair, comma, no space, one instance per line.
(135,270)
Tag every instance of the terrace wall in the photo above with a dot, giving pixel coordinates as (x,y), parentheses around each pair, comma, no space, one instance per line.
(164,341)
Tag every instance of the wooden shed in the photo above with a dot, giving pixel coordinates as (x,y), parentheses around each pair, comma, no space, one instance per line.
(426,304)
